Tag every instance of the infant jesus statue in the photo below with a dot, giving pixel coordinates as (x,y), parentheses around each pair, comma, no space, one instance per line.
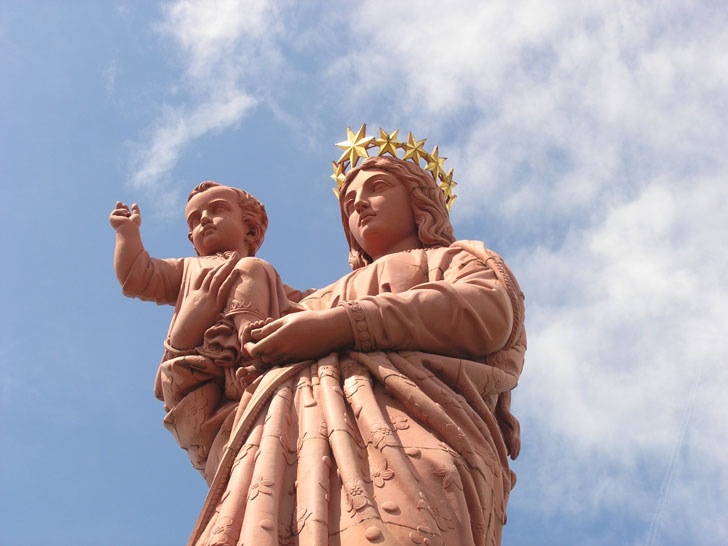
(219,297)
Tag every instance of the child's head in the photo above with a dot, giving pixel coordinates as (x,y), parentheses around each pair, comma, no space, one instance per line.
(221,218)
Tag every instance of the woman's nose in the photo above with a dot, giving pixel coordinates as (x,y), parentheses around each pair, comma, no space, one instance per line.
(361,203)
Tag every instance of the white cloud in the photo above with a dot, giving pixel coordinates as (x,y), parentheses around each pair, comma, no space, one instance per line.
(176,127)
(592,135)
(627,362)
(208,33)
(225,48)
(109,76)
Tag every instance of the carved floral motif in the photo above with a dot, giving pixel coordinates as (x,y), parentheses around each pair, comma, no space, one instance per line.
(382,436)
(381,473)
(356,495)
(262,485)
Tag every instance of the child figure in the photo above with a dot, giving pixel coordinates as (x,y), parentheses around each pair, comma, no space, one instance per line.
(218,297)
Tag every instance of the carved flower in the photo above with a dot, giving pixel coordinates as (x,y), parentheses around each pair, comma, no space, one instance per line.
(221,532)
(449,475)
(458,439)
(261,486)
(356,495)
(400,422)
(242,454)
(381,473)
(382,436)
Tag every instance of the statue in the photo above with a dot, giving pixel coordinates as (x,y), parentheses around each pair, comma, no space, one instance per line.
(374,410)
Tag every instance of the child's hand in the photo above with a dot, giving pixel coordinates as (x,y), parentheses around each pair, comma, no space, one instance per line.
(204,301)
(121,216)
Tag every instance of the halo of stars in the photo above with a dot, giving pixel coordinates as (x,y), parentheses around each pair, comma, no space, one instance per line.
(357,146)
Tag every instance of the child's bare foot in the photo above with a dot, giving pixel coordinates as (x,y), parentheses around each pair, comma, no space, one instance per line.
(253,326)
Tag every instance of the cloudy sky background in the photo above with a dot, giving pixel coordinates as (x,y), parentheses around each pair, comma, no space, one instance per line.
(589,146)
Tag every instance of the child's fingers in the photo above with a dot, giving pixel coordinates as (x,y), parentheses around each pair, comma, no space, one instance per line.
(120,209)
(216,276)
(136,214)
(225,287)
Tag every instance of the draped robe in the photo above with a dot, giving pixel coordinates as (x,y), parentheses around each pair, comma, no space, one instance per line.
(401,439)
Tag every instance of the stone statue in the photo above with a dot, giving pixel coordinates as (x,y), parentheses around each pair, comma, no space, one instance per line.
(374,410)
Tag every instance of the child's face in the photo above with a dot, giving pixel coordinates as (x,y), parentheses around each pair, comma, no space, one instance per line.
(215,222)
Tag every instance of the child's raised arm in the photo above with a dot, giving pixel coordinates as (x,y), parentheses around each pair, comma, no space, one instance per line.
(128,239)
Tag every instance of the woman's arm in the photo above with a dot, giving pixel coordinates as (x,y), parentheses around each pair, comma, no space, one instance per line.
(466,313)
(301,336)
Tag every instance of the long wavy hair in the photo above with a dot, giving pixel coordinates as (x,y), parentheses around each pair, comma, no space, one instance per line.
(428,205)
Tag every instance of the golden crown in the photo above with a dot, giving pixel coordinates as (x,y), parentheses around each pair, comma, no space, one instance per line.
(357,145)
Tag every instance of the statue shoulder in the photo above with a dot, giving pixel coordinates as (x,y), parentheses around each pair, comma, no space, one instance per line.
(504,274)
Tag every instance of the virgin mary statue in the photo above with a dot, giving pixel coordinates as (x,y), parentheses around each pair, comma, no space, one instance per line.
(379,411)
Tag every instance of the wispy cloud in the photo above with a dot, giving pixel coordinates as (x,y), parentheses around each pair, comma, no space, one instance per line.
(592,135)
(109,76)
(590,138)
(176,127)
(224,48)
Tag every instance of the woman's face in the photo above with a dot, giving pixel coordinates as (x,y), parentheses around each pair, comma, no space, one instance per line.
(380,214)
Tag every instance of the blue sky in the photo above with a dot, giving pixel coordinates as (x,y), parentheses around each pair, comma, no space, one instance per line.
(589,147)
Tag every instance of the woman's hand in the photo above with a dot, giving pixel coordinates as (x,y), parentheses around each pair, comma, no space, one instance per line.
(301,336)
(204,302)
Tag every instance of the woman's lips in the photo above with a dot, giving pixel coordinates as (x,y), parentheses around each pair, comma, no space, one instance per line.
(364,218)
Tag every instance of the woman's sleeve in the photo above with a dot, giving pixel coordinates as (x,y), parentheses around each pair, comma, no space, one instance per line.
(468,313)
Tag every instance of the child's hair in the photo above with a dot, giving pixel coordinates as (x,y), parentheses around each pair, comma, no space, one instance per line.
(253,212)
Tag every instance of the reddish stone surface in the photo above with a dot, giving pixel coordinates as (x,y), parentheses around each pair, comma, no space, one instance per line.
(375,410)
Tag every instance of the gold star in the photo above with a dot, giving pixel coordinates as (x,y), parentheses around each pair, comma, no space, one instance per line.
(414,149)
(355,146)
(447,184)
(435,164)
(387,143)
(338,175)
(450,202)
